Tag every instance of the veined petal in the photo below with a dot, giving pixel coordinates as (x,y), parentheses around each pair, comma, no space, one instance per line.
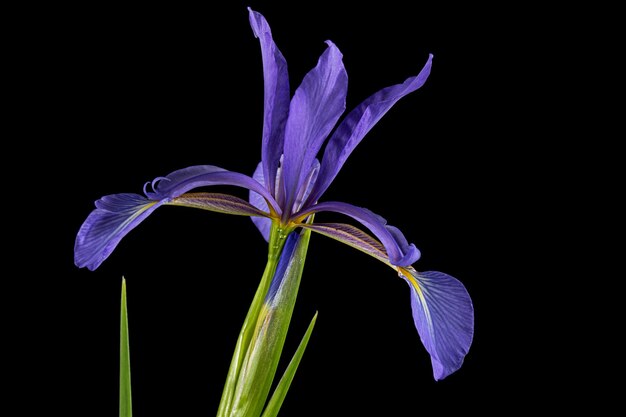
(376,224)
(276,98)
(357,123)
(444,317)
(442,308)
(183,180)
(115,215)
(315,108)
(221,203)
(351,236)
(262,223)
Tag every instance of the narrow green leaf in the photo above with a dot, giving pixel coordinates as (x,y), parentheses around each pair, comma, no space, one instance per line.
(278,397)
(125,395)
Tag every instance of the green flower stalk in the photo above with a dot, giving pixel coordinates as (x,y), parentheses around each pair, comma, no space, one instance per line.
(264,331)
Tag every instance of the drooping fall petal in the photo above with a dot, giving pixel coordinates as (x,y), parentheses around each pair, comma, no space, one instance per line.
(442,308)
(399,253)
(444,317)
(115,215)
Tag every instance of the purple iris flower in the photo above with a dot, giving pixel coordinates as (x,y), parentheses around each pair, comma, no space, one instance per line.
(289,181)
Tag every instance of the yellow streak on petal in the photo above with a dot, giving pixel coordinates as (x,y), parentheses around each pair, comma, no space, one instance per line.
(411,278)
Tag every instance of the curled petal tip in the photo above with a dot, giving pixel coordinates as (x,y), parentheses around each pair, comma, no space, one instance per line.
(411,256)
(334,49)
(258,23)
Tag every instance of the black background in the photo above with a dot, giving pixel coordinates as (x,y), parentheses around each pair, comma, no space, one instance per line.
(121,95)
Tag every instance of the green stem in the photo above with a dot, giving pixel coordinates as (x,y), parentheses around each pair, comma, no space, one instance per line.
(264,352)
(278,236)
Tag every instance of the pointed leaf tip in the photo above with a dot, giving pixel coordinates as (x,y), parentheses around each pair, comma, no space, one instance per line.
(274,404)
(125,385)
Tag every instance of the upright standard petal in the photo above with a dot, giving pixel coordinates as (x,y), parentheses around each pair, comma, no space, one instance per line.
(400,253)
(262,223)
(183,180)
(276,98)
(315,108)
(444,317)
(355,126)
(115,215)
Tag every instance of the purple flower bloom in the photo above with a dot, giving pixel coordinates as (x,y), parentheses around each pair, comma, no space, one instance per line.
(289,181)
